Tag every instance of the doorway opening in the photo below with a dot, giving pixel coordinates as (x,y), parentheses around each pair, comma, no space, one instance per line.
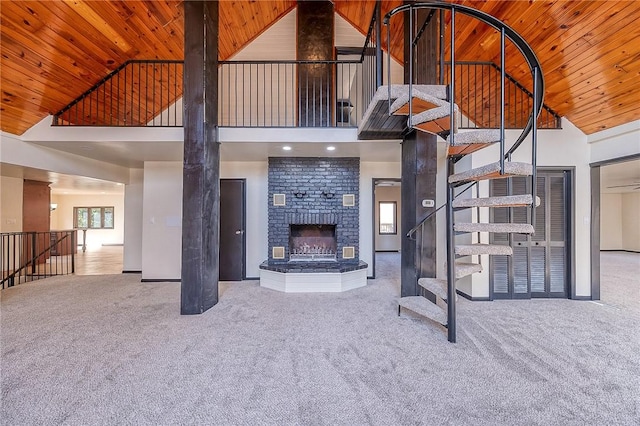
(386,208)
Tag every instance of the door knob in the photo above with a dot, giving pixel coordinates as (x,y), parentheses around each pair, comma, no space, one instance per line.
(239,231)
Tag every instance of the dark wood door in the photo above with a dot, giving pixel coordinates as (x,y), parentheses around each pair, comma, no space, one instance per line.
(232,227)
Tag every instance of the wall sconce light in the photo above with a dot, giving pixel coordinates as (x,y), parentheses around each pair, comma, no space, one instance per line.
(53,206)
(300,194)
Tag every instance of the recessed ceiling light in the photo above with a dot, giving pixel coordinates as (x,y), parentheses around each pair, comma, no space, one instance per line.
(286,148)
(331,148)
(103,192)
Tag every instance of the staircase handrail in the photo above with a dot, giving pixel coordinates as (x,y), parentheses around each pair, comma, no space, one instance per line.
(33,258)
(430,214)
(511,34)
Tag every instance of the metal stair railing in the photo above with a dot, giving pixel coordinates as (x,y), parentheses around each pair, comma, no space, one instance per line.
(36,247)
(529,56)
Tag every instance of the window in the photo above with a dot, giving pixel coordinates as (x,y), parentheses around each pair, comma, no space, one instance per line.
(387,210)
(93,217)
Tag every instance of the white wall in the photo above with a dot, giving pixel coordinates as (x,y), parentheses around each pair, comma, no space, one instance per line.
(14,150)
(388,242)
(611,222)
(369,171)
(10,204)
(10,214)
(566,147)
(616,142)
(162,207)
(133,206)
(631,221)
(62,217)
(162,220)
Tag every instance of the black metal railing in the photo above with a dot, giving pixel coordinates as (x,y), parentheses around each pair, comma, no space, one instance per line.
(289,93)
(479,99)
(28,256)
(138,93)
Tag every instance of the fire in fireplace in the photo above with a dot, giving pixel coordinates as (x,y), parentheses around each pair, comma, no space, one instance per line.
(312,242)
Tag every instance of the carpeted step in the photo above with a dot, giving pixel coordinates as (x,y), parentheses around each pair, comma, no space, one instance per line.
(422,306)
(465,268)
(510,228)
(435,286)
(478,249)
(505,201)
(468,142)
(492,171)
(435,121)
(424,97)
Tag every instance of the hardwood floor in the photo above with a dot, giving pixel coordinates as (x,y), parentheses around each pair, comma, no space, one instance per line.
(99,261)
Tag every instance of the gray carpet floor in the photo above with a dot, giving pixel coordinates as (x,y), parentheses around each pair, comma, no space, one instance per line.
(106,350)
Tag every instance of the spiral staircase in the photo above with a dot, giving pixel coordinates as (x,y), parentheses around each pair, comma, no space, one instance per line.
(433,109)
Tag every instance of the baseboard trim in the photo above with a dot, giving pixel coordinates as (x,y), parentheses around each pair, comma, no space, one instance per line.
(112,245)
(387,251)
(251,279)
(159,280)
(473,299)
(131,272)
(625,251)
(582,298)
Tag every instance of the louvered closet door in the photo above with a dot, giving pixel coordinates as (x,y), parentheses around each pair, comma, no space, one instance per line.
(538,267)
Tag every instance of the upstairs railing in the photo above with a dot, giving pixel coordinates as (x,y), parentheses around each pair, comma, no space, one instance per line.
(274,93)
(478,97)
(28,256)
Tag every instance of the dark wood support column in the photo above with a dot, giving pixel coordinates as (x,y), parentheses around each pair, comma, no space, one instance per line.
(201,174)
(315,42)
(419,166)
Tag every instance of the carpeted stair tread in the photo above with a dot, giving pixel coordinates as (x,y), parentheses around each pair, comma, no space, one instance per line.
(435,286)
(436,121)
(466,268)
(492,171)
(469,142)
(504,201)
(475,136)
(422,306)
(478,249)
(424,97)
(515,228)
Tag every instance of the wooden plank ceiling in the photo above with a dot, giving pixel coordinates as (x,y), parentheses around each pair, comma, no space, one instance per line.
(53,51)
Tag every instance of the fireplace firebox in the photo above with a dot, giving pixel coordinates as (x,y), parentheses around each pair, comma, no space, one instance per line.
(312,242)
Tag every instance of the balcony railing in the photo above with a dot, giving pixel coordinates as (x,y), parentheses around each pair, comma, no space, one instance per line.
(28,256)
(478,97)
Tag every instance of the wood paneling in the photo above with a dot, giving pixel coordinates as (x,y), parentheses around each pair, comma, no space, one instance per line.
(589,51)
(53,51)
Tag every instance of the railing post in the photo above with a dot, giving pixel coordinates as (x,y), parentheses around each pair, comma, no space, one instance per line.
(451,276)
(74,248)
(379,72)
(502,99)
(33,253)
(441,38)
(534,148)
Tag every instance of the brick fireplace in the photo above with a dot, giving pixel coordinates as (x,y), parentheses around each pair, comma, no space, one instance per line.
(313,222)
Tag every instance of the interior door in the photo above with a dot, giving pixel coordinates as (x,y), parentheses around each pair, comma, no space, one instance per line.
(539,265)
(232,227)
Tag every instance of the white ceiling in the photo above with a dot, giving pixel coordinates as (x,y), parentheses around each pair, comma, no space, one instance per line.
(620,177)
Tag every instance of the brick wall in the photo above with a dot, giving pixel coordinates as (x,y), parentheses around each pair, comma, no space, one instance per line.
(313,188)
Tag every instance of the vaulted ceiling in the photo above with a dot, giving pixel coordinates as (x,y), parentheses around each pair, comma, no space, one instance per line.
(53,51)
